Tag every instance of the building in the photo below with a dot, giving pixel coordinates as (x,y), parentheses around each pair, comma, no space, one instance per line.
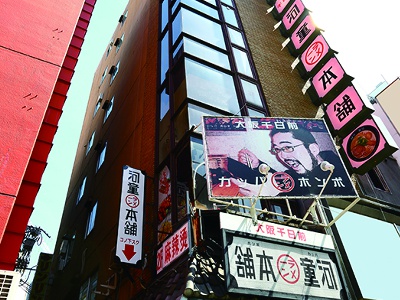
(38,57)
(169,63)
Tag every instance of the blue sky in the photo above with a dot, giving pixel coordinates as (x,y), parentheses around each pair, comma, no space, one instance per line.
(363,34)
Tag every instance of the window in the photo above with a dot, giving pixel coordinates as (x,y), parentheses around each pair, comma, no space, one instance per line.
(98,104)
(164,57)
(229,15)
(242,62)
(211,86)
(118,43)
(91,220)
(114,72)
(236,37)
(122,18)
(198,26)
(251,93)
(81,190)
(212,12)
(109,48)
(87,291)
(104,75)
(206,53)
(90,143)
(108,106)
(102,156)
(65,251)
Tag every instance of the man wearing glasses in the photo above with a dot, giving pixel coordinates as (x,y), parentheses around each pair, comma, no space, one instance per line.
(298,151)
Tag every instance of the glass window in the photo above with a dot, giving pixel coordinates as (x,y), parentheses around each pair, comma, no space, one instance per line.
(202,51)
(118,43)
(109,48)
(211,86)
(255,113)
(198,26)
(90,143)
(199,172)
(91,219)
(229,15)
(102,157)
(98,104)
(81,190)
(228,2)
(164,104)
(195,116)
(87,289)
(164,14)
(236,37)
(164,58)
(198,6)
(104,75)
(251,93)
(108,109)
(114,73)
(242,62)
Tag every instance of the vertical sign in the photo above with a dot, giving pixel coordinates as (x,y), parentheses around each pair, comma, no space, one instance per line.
(303,32)
(293,14)
(130,225)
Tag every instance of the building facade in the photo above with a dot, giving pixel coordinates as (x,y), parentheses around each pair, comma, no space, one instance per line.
(168,64)
(38,57)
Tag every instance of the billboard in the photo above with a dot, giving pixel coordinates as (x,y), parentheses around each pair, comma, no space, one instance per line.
(130,225)
(272,157)
(260,267)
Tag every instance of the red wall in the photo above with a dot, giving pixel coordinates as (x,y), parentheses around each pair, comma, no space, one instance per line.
(39,45)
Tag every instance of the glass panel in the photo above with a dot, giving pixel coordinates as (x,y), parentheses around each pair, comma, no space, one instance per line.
(236,37)
(199,173)
(229,15)
(177,26)
(198,6)
(164,104)
(91,219)
(109,109)
(199,27)
(195,114)
(251,93)
(164,145)
(242,62)
(255,113)
(164,57)
(229,2)
(210,86)
(164,14)
(102,157)
(206,53)
(184,181)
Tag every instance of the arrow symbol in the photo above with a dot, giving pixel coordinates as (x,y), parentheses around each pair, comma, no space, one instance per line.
(129,251)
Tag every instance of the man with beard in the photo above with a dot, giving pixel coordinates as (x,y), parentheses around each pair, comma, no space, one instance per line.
(299,152)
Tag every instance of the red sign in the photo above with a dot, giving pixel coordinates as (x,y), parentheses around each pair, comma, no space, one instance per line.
(314,53)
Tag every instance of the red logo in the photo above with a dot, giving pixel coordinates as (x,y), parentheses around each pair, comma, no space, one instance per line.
(282,181)
(288,268)
(314,53)
(132,201)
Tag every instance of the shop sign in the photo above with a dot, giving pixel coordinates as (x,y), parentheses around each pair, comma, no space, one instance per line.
(130,224)
(173,247)
(254,266)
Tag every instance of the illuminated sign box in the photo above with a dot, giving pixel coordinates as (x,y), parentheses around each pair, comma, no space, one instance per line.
(328,82)
(130,225)
(367,145)
(302,36)
(238,150)
(346,112)
(291,18)
(314,56)
(280,7)
(260,267)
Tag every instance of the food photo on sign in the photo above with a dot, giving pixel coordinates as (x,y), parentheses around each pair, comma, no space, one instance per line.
(272,157)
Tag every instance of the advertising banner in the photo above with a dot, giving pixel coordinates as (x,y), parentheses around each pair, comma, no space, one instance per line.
(259,267)
(130,225)
(272,157)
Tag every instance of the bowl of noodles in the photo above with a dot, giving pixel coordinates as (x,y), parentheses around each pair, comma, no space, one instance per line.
(363,143)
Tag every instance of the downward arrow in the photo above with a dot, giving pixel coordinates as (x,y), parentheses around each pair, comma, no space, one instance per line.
(129,251)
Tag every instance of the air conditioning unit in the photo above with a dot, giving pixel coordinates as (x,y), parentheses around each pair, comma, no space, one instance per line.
(9,281)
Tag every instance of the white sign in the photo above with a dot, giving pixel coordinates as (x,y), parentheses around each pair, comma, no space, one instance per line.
(173,247)
(276,231)
(264,268)
(130,226)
